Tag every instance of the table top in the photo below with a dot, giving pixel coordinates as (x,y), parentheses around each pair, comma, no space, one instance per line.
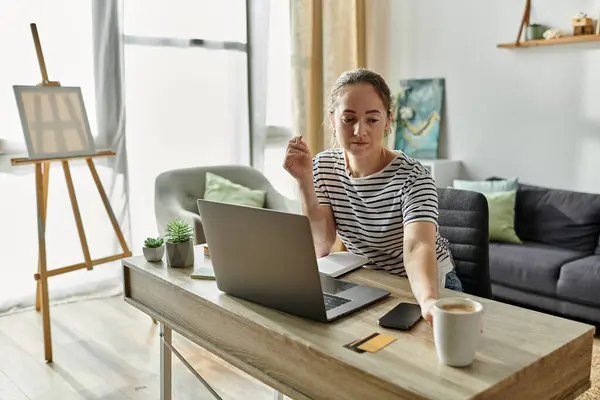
(518,352)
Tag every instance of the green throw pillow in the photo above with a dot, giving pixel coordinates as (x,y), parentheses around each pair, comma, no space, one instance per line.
(225,191)
(501,207)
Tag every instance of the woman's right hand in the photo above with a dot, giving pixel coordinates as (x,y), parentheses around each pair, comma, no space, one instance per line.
(298,161)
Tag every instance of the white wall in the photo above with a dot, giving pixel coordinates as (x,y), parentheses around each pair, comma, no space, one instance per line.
(532,113)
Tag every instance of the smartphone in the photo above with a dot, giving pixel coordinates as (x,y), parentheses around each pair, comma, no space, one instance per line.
(403,317)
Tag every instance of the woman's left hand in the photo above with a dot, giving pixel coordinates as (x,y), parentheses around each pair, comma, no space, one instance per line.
(427,310)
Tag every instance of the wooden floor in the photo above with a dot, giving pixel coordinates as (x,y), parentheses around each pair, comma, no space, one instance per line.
(106,349)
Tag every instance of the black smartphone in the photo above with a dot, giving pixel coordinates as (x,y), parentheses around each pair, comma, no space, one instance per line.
(403,317)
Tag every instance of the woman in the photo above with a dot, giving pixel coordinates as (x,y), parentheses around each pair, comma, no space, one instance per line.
(382,203)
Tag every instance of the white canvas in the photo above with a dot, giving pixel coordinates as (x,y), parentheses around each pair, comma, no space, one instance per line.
(54,121)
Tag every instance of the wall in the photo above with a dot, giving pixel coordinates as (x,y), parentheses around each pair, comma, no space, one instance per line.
(531,113)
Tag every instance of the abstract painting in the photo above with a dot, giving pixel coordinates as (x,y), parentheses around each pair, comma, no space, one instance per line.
(418,117)
(54,121)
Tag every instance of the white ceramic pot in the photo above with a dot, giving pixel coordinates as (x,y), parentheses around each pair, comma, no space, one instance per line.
(153,254)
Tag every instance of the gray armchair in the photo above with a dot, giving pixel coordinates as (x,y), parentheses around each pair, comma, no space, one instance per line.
(176,192)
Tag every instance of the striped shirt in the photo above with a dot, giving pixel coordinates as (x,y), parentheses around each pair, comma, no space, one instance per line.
(371,212)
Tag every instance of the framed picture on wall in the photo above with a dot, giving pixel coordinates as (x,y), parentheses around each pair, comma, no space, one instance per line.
(54,121)
(418,117)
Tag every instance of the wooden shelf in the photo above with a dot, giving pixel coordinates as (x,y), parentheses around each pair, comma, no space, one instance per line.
(551,42)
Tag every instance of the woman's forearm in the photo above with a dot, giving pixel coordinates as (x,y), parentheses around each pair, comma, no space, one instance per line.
(322,228)
(420,264)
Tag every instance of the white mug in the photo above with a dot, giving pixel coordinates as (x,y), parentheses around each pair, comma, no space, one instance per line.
(457,325)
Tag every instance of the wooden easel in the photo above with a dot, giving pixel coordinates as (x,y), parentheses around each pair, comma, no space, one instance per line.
(42,173)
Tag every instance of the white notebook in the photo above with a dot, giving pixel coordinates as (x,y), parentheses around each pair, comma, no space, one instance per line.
(339,263)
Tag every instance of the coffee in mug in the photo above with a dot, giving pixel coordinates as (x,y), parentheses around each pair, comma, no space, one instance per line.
(457,324)
(458,308)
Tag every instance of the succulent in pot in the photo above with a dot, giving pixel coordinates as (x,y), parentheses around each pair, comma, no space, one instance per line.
(154,249)
(180,244)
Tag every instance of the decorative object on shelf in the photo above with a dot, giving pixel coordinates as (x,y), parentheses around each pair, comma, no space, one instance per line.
(418,117)
(535,32)
(154,249)
(582,25)
(554,36)
(180,244)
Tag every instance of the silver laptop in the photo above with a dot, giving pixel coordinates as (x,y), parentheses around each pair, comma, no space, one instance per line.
(268,257)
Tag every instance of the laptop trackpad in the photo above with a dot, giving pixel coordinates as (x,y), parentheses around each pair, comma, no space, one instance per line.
(334,286)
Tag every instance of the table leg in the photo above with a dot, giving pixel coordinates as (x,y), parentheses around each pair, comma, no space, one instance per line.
(165,363)
(278,395)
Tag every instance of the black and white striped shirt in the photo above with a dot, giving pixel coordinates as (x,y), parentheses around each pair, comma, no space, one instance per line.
(371,212)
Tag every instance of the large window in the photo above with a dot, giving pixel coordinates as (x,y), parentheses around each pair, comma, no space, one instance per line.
(186,93)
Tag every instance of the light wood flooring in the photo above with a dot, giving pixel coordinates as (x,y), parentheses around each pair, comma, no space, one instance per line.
(106,349)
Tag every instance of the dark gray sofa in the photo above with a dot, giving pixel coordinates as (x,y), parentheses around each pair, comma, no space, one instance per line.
(557,268)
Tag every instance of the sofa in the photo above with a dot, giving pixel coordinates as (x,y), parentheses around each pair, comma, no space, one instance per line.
(556,267)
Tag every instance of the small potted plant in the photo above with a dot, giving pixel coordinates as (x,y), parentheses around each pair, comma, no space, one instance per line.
(180,244)
(154,249)
(534,32)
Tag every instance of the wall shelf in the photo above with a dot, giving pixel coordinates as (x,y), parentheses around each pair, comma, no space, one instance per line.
(551,42)
(544,42)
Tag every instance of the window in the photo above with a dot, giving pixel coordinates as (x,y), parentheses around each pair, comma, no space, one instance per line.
(279,98)
(69,58)
(186,85)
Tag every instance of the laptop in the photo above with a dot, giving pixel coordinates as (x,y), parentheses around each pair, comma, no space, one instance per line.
(268,257)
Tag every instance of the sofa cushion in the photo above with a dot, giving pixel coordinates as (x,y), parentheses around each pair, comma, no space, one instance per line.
(223,190)
(560,218)
(579,281)
(529,266)
(501,206)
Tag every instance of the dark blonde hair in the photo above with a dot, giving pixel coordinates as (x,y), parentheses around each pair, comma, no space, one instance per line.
(360,75)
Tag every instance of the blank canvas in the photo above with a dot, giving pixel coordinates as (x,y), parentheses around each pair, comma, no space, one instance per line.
(54,121)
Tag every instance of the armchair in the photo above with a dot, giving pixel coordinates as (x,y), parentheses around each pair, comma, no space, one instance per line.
(176,192)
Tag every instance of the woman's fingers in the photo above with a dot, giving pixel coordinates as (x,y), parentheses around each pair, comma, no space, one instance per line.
(298,146)
(295,153)
(298,143)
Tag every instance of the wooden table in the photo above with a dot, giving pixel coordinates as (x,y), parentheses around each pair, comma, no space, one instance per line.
(522,355)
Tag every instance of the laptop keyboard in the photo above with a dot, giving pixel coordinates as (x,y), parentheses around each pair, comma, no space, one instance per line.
(333,301)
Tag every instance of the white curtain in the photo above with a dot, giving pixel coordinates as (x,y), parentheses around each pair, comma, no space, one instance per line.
(186,93)
(73,60)
(165,85)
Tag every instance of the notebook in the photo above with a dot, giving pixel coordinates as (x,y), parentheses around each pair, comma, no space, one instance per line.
(203,268)
(339,263)
(203,273)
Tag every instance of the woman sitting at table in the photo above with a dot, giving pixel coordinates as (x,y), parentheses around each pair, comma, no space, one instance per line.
(382,203)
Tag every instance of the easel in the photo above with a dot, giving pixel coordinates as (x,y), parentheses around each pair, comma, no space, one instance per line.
(42,174)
